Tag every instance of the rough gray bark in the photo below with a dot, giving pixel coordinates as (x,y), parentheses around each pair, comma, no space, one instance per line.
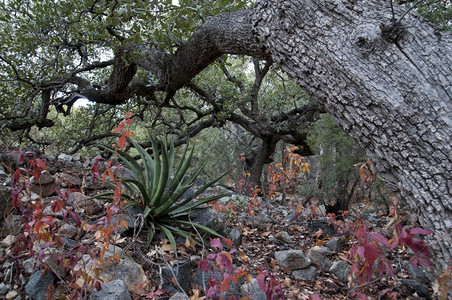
(387,80)
(388,84)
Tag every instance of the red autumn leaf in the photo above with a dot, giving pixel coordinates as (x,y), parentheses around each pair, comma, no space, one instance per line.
(127,133)
(204,265)
(379,238)
(129,114)
(370,253)
(36,172)
(228,242)
(224,260)
(419,230)
(41,164)
(57,205)
(122,142)
(21,158)
(315,297)
(128,122)
(121,127)
(216,243)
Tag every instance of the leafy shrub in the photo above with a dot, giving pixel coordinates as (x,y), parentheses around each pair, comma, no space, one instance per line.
(153,189)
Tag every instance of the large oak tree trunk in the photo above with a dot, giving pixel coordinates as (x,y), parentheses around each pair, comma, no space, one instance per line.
(388,84)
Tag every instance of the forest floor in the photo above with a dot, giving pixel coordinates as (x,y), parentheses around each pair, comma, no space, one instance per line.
(279,227)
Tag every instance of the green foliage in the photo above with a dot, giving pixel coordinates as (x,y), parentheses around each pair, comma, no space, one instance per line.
(436,11)
(158,194)
(337,153)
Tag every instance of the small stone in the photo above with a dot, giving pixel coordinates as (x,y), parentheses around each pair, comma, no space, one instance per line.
(8,241)
(65,157)
(3,289)
(318,258)
(44,178)
(179,296)
(336,244)
(283,236)
(113,290)
(37,285)
(11,295)
(341,269)
(252,290)
(305,274)
(29,265)
(292,259)
(68,230)
(235,236)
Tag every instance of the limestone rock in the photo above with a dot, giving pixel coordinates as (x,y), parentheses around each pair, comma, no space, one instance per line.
(37,285)
(292,259)
(180,272)
(179,296)
(336,244)
(113,290)
(125,269)
(318,257)
(252,290)
(341,269)
(283,236)
(305,274)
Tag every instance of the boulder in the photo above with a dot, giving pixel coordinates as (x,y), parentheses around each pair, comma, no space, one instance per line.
(235,236)
(37,285)
(113,290)
(292,259)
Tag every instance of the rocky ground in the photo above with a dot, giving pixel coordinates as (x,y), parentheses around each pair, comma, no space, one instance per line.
(300,248)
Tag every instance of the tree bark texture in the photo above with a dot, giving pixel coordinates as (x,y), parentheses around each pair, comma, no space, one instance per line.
(387,83)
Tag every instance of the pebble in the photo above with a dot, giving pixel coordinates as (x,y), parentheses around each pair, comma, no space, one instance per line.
(11,295)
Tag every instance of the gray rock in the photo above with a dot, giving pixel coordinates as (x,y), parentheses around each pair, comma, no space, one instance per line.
(113,290)
(69,181)
(318,257)
(305,274)
(292,259)
(65,157)
(44,178)
(123,172)
(37,285)
(341,269)
(327,228)
(418,273)
(235,236)
(3,289)
(252,290)
(179,296)
(181,272)
(209,218)
(283,236)
(125,269)
(418,287)
(29,265)
(336,244)
(44,186)
(68,230)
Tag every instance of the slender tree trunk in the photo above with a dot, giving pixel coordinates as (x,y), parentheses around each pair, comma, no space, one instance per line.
(262,157)
(387,83)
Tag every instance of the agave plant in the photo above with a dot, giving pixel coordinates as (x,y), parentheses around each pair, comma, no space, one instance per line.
(157,188)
